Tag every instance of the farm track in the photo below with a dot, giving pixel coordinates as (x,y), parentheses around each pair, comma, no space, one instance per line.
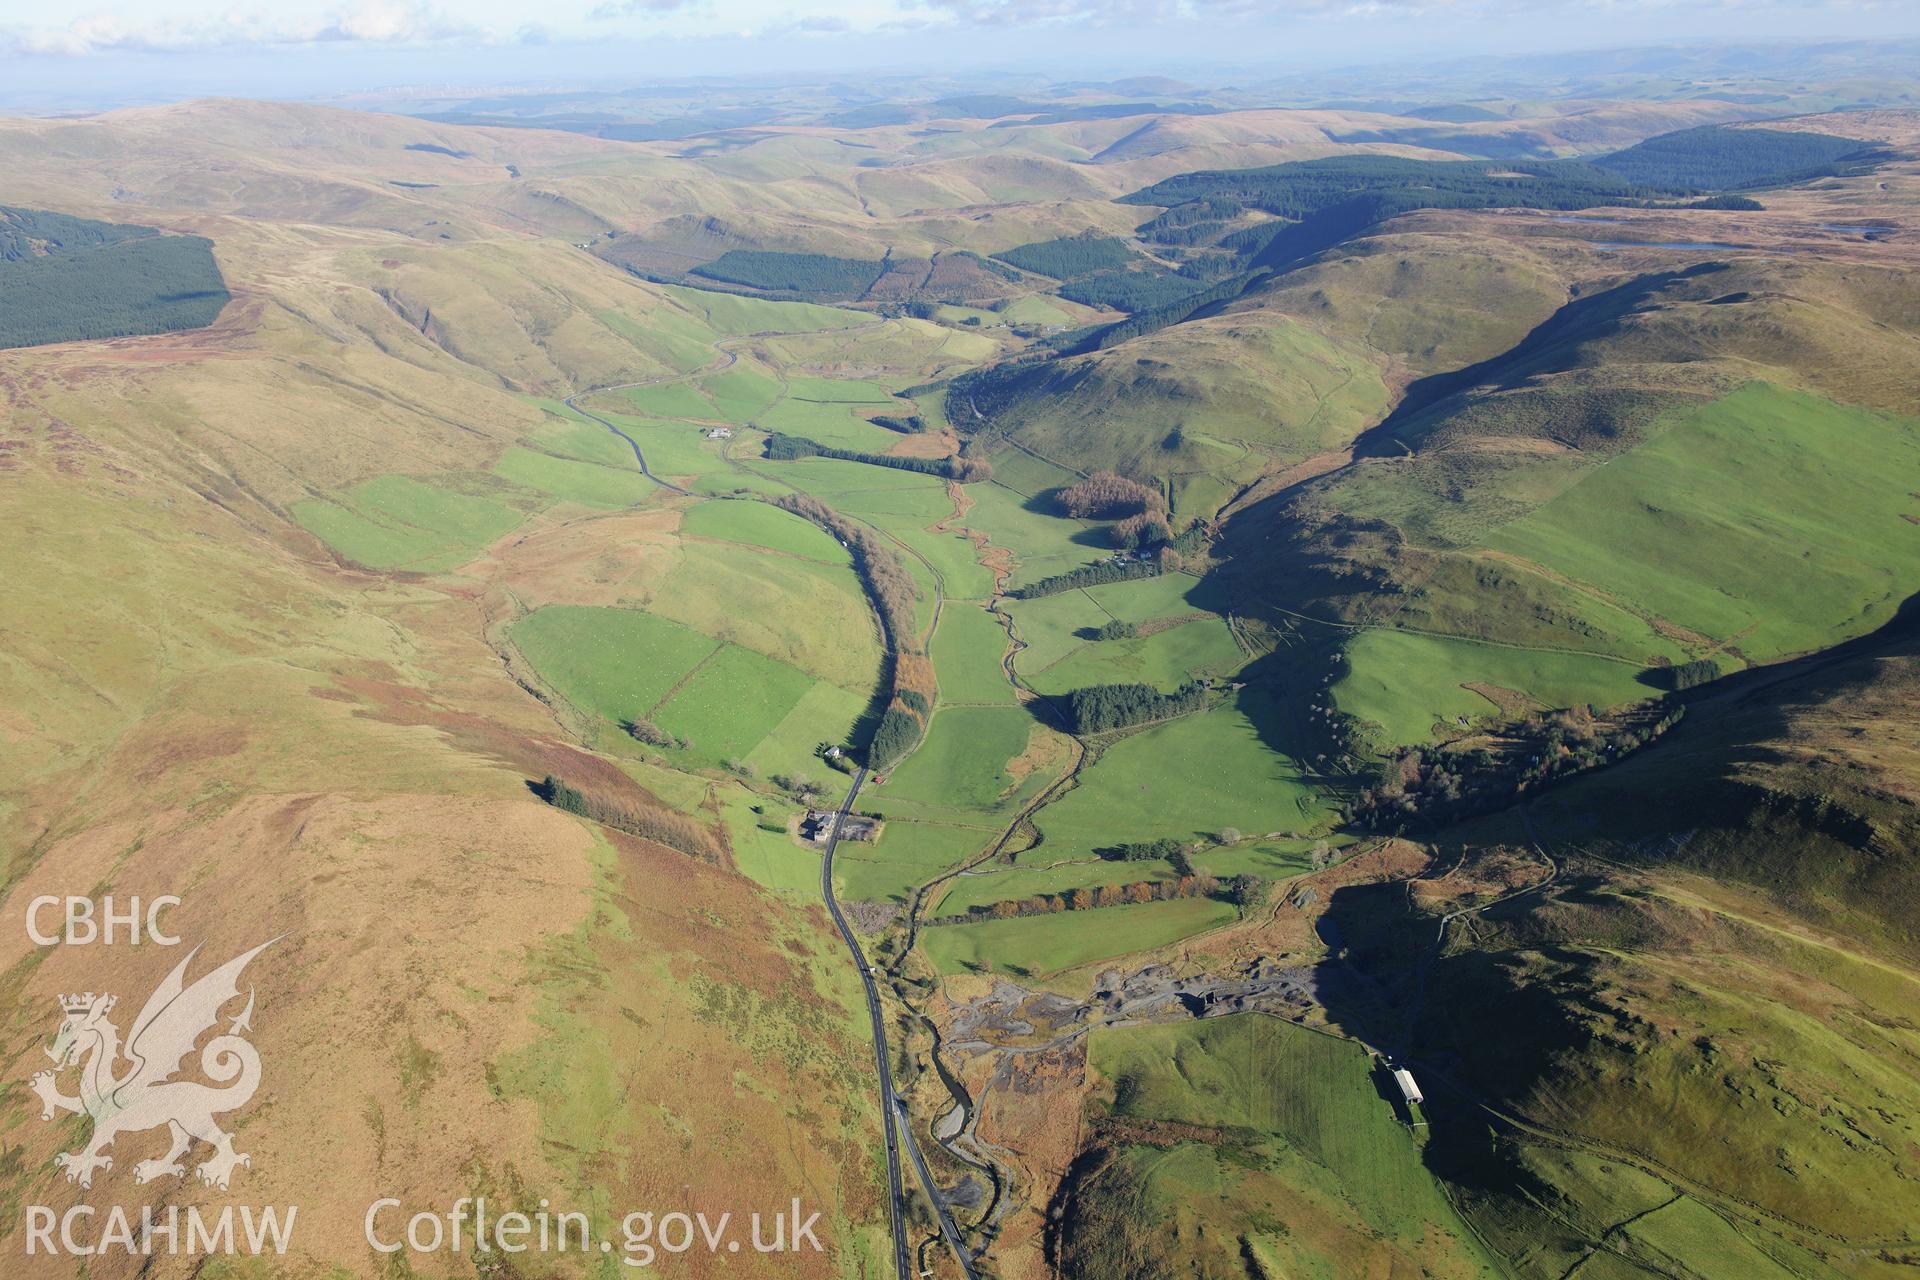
(1000,1173)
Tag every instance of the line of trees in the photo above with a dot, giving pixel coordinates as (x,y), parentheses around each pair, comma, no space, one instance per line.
(880,569)
(641,729)
(1429,786)
(1089,575)
(1102,708)
(785,448)
(815,275)
(622,813)
(1142,850)
(890,586)
(1087,899)
(1691,675)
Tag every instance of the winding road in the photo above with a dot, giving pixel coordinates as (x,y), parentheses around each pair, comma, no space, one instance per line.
(889,1100)
(572,403)
(892,1106)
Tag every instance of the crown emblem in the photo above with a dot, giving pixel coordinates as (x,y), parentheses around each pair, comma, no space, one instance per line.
(77,1004)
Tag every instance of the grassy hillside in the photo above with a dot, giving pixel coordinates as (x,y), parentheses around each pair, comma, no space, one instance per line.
(241,724)
(1205,407)
(1619,482)
(1704,1013)
(1243,1146)
(232,706)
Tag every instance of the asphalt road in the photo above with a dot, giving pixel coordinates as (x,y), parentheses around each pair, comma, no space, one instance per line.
(633,444)
(947,1227)
(896,1194)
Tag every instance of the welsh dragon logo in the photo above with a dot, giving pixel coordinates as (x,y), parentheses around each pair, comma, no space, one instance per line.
(144,1095)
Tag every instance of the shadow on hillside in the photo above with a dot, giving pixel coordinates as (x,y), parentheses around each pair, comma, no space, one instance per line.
(1521,998)
(1582,319)
(1045,503)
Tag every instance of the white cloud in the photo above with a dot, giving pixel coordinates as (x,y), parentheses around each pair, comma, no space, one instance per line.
(366,22)
(1012,13)
(640,8)
(200,25)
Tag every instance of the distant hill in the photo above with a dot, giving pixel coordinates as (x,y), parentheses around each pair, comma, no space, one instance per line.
(1725,158)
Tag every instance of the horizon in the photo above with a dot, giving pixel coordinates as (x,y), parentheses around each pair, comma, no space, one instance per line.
(162,51)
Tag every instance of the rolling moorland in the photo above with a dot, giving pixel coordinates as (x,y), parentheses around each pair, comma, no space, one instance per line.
(1295,587)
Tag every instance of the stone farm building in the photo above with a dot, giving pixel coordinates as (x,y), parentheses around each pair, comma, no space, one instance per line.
(818,824)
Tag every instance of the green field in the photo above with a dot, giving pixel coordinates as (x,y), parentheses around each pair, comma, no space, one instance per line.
(568,434)
(802,612)
(761,524)
(995,883)
(966,657)
(590,483)
(1035,310)
(615,663)
(1268,859)
(726,700)
(669,400)
(1166,659)
(963,762)
(831,423)
(1770,518)
(1028,475)
(673,448)
(838,391)
(1042,543)
(908,854)
(1035,945)
(1185,778)
(1166,595)
(880,494)
(826,713)
(954,556)
(1311,1170)
(735,316)
(736,698)
(762,849)
(1273,860)
(741,392)
(397,522)
(1052,627)
(1406,683)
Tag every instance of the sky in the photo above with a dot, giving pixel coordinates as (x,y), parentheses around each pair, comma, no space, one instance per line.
(290,48)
